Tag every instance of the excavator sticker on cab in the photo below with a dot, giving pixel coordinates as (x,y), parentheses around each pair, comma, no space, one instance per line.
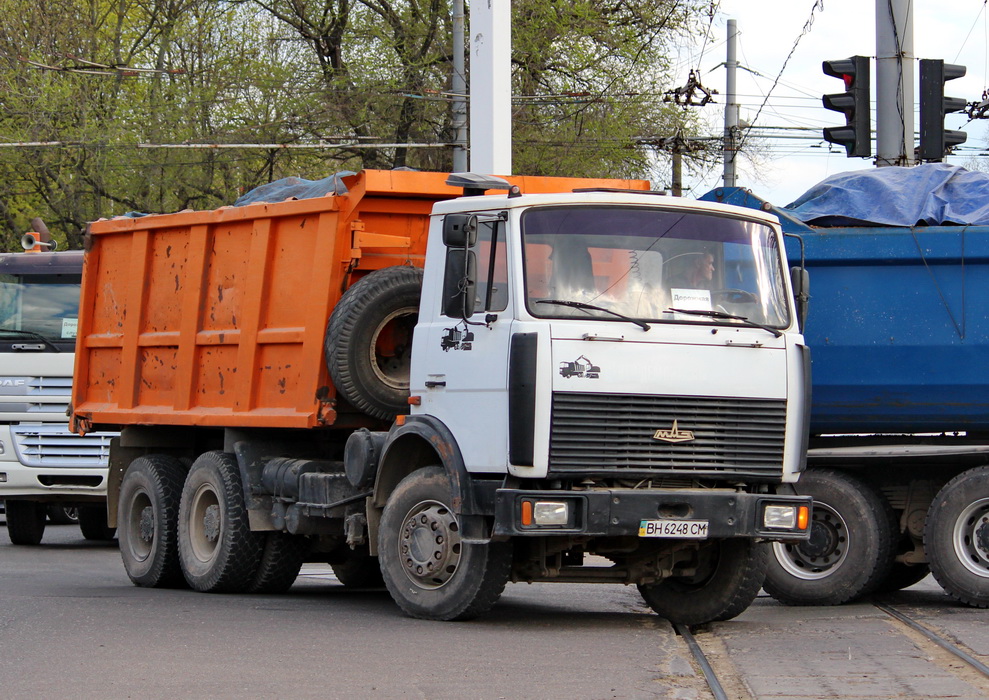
(457,339)
(581,367)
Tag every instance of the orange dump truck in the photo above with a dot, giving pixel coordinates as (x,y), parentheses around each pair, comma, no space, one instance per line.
(372,380)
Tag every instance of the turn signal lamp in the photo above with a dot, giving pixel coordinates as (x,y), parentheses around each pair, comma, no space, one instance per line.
(803,518)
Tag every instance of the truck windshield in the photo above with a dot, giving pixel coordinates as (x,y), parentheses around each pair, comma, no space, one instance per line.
(33,305)
(652,264)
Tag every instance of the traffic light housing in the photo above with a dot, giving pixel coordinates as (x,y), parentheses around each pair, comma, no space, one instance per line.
(856,135)
(935,140)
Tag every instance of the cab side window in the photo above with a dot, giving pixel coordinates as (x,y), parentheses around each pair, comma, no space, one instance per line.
(492,266)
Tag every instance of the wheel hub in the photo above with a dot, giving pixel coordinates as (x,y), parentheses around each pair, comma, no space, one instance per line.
(211,523)
(430,545)
(146,526)
(823,553)
(982,536)
(823,539)
(971,537)
(389,350)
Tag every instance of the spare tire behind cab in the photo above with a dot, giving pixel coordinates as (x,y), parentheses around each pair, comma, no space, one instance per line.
(369,340)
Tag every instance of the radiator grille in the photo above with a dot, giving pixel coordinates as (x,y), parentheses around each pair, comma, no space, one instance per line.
(52,445)
(48,395)
(608,433)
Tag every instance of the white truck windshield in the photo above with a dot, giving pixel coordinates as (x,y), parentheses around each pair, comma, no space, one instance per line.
(44,305)
(652,264)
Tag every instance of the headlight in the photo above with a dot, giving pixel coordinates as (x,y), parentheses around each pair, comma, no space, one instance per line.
(550,513)
(536,513)
(780,517)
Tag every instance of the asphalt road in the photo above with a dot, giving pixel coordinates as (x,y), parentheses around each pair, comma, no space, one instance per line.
(72,625)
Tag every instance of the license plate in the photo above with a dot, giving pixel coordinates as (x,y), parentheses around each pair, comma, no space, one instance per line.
(676,529)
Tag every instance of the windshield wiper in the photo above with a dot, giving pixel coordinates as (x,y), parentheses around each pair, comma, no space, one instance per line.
(732,317)
(32,334)
(591,307)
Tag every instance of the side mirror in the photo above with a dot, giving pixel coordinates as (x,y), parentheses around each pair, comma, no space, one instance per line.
(460,283)
(800,280)
(459,230)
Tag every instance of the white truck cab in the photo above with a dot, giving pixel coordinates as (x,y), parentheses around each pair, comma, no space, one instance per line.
(42,463)
(621,344)
(634,387)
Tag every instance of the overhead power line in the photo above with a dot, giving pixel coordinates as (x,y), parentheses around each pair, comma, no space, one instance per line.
(209,146)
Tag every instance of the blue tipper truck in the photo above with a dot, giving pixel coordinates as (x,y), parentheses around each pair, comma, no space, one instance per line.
(898,326)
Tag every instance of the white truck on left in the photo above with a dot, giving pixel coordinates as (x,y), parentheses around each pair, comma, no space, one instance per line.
(44,468)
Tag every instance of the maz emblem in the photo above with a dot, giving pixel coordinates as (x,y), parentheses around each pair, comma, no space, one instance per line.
(674,435)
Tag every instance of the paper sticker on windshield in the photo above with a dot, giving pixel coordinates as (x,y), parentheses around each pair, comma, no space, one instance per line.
(70,326)
(691,299)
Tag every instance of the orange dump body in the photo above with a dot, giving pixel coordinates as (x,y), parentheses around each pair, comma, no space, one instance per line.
(217,318)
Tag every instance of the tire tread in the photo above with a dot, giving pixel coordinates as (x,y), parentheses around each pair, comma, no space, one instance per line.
(348,319)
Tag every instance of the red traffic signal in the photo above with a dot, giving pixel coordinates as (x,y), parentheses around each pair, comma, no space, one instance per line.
(856,134)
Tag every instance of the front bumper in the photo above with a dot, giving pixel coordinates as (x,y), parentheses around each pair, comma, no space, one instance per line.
(619,512)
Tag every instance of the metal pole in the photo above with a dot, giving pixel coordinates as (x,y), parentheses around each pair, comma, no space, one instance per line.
(491,87)
(677,186)
(731,108)
(894,82)
(458,85)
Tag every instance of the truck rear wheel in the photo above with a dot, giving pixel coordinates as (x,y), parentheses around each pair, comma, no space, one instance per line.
(358,570)
(217,549)
(369,340)
(281,561)
(92,522)
(148,520)
(25,522)
(956,537)
(902,576)
(851,546)
(728,578)
(429,571)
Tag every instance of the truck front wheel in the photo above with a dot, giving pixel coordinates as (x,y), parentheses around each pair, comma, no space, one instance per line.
(851,546)
(429,570)
(25,522)
(148,519)
(956,537)
(726,580)
(217,549)
(92,523)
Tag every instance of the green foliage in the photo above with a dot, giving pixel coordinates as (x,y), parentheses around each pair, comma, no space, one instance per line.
(102,86)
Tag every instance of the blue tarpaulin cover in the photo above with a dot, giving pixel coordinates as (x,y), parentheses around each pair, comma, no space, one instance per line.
(286,188)
(295,188)
(924,195)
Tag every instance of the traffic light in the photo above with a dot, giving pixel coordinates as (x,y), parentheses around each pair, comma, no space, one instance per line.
(856,135)
(935,140)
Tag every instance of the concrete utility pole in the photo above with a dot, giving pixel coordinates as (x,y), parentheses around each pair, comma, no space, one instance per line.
(894,82)
(491,87)
(458,86)
(731,107)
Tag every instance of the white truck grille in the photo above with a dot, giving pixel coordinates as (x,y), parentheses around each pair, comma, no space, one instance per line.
(52,445)
(650,435)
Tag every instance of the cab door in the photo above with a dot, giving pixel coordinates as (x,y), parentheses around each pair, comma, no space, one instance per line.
(467,377)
